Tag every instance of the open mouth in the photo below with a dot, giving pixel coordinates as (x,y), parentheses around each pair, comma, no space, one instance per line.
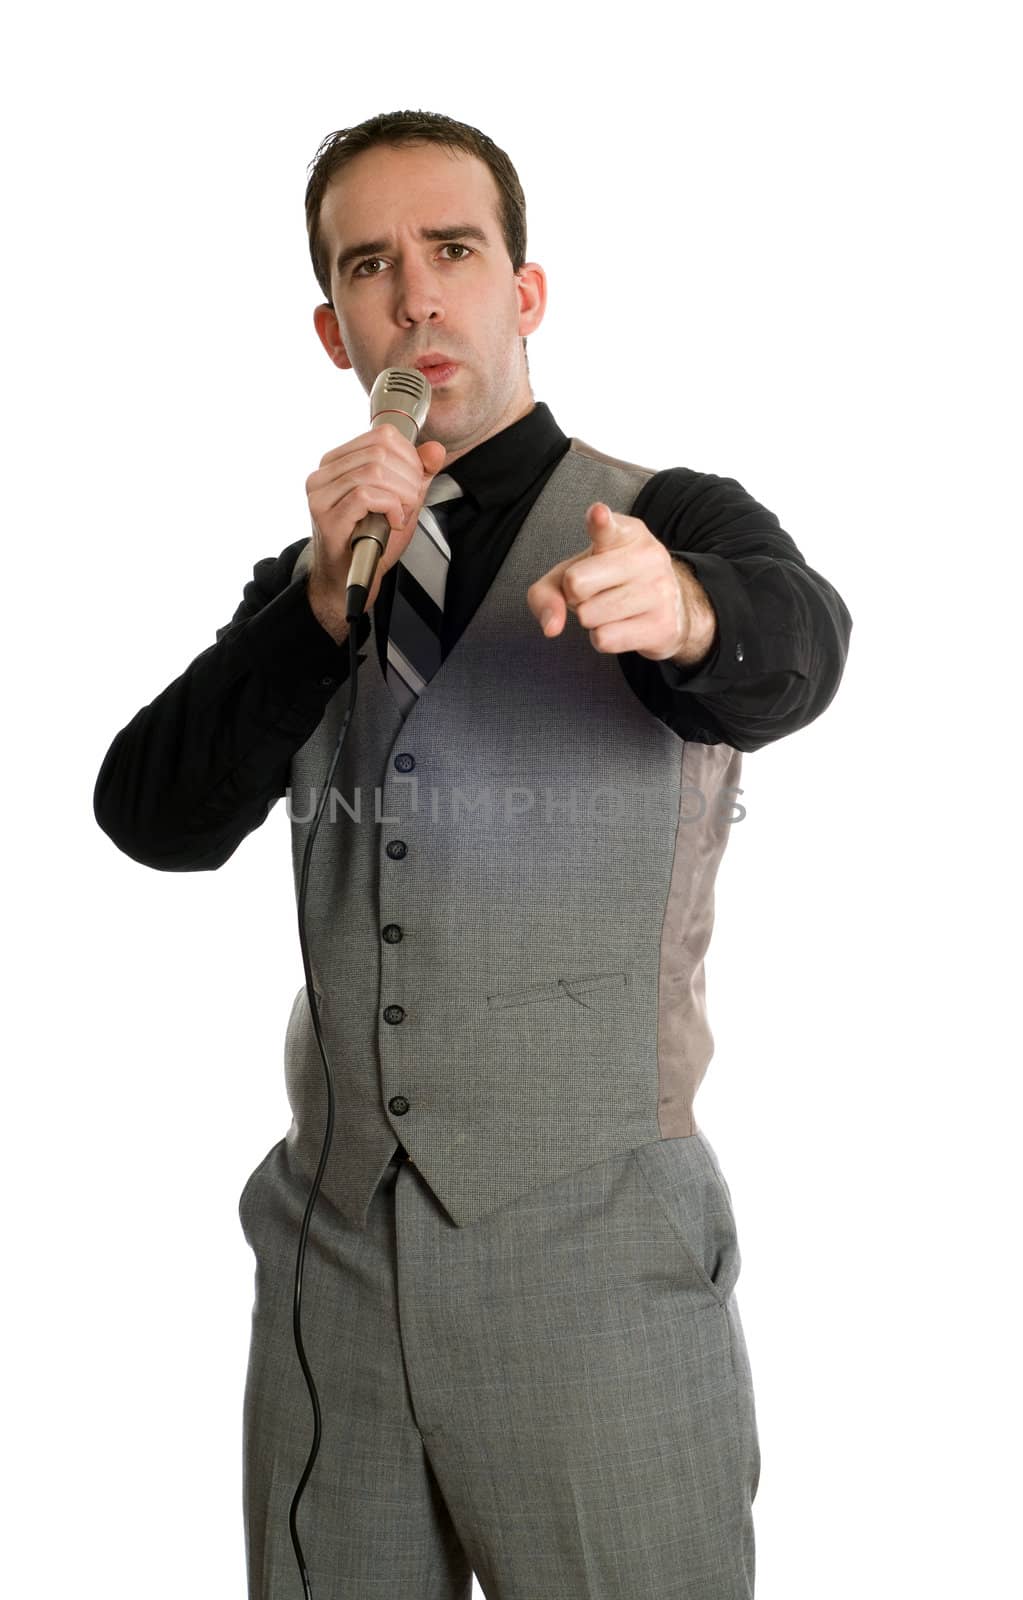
(441,373)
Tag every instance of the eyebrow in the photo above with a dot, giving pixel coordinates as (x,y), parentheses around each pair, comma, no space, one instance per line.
(456,230)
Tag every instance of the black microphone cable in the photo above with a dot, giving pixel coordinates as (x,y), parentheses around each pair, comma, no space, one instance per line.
(353,675)
(402,394)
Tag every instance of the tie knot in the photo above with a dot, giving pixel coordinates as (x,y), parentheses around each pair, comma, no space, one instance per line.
(442,488)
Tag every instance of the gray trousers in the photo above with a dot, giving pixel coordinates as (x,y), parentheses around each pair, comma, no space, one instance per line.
(557,1398)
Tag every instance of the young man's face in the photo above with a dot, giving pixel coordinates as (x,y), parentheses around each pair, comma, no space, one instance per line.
(411,296)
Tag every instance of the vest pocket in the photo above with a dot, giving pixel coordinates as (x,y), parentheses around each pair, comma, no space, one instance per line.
(573,988)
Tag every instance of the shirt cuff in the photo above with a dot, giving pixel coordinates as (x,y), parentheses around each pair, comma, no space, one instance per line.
(734,656)
(293,650)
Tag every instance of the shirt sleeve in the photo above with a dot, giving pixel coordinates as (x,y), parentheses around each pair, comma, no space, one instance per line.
(782,629)
(204,763)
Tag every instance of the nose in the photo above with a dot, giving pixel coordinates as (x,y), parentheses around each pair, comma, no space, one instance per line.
(418,293)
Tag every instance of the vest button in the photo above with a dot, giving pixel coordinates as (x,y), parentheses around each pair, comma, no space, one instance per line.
(392,933)
(404,762)
(396,848)
(738,651)
(398,1104)
(393,1013)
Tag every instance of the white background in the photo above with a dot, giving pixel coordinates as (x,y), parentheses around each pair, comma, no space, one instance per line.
(796,224)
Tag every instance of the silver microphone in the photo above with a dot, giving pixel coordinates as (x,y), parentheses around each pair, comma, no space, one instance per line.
(400,396)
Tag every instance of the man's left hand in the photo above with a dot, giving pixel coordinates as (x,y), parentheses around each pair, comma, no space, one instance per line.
(628,593)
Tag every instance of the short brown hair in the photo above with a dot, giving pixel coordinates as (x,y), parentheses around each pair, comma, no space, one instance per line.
(412,127)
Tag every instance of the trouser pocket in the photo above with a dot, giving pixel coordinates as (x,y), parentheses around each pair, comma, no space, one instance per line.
(686,1181)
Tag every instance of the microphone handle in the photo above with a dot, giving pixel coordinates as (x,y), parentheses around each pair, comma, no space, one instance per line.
(369,539)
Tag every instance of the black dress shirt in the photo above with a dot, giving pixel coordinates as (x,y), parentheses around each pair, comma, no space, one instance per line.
(200,767)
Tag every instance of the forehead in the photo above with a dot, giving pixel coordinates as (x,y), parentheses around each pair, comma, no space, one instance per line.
(389,187)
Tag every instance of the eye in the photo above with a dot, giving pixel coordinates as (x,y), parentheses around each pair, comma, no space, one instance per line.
(357,271)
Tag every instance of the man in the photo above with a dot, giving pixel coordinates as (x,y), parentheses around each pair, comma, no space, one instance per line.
(518,1299)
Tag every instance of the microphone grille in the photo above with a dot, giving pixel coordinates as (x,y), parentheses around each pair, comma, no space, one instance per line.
(401,389)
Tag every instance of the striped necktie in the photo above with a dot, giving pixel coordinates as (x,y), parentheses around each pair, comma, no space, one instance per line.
(413,634)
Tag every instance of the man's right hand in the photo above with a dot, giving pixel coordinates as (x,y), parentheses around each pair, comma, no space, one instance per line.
(378,471)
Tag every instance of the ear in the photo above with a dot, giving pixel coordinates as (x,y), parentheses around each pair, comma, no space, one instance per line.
(531,287)
(326,325)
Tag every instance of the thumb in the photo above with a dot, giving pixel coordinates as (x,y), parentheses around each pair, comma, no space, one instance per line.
(603,528)
(433,456)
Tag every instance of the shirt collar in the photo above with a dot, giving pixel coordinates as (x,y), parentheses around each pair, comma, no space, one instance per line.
(500,469)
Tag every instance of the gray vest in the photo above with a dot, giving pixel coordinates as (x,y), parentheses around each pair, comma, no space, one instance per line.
(509,901)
